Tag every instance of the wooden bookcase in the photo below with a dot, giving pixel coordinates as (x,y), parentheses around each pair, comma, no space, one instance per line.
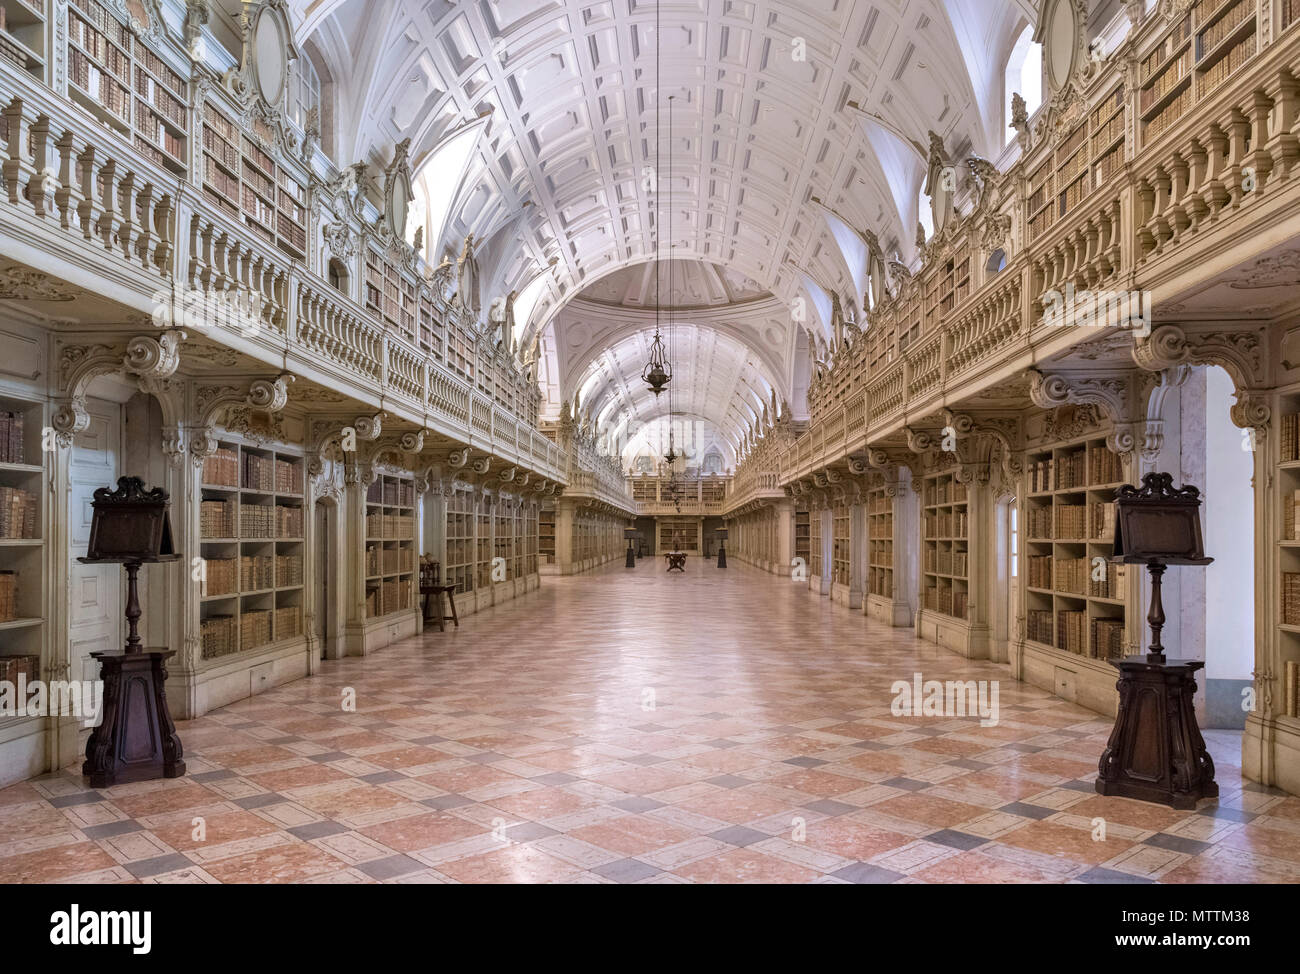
(802,535)
(841,546)
(1288,558)
(390,545)
(251,541)
(1075,598)
(22,42)
(482,544)
(1200,52)
(687,532)
(243,181)
(880,543)
(22,534)
(546,536)
(118,80)
(527,545)
(458,568)
(815,546)
(945,546)
(390,295)
(503,540)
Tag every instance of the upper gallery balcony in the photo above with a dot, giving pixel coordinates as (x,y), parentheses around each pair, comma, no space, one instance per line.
(705,496)
(1168,161)
(165,192)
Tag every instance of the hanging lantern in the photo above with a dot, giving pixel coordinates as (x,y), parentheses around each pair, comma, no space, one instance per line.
(658,372)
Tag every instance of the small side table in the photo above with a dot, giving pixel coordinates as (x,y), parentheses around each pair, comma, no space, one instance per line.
(676,560)
(436,592)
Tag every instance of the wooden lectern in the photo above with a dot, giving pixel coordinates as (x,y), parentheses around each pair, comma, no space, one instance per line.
(136,740)
(1156,752)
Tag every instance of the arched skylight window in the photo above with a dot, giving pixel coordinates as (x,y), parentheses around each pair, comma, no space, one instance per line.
(1024,75)
(435,187)
(526,302)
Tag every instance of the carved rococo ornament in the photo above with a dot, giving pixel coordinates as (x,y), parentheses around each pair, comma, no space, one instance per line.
(1240,353)
(268,51)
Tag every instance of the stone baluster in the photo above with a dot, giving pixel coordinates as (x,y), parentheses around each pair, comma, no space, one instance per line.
(144,243)
(126,207)
(1258,160)
(67,195)
(90,207)
(1283,146)
(18,169)
(106,226)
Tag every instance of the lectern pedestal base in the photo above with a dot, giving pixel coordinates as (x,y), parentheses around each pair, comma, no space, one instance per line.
(1156,752)
(136,741)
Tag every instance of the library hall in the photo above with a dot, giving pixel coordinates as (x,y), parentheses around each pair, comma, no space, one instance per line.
(649,442)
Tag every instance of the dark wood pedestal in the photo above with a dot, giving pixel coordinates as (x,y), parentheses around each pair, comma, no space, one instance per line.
(676,560)
(1156,752)
(136,740)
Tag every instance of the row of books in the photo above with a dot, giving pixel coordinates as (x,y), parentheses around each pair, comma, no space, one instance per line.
(881,582)
(11,667)
(1289,437)
(1291,598)
(1291,688)
(1153,60)
(1071,521)
(216,519)
(1170,114)
(391,493)
(1166,82)
(1072,631)
(1038,626)
(8,596)
(394,526)
(946,562)
(18,513)
(945,525)
(381,561)
(270,521)
(1039,571)
(1227,66)
(272,474)
(218,636)
(1212,36)
(11,437)
(1107,638)
(254,628)
(220,577)
(948,492)
(388,597)
(221,468)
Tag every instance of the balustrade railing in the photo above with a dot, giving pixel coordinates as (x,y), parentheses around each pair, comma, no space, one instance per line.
(68,188)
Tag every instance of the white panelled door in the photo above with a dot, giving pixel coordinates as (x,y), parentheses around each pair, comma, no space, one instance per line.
(95,604)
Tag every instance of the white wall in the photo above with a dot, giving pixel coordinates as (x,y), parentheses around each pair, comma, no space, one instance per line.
(1228,517)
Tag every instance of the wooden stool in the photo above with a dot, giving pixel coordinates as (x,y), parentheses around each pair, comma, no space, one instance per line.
(438,591)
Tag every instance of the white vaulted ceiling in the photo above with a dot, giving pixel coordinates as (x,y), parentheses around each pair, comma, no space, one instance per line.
(757,133)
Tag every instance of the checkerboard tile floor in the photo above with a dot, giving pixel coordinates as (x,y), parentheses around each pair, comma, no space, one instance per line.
(634,727)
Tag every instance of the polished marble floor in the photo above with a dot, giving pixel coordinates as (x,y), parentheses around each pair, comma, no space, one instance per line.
(634,727)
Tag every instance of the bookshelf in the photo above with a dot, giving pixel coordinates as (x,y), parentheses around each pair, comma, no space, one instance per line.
(392,297)
(687,533)
(527,545)
(802,535)
(815,547)
(22,545)
(483,544)
(546,537)
(1200,52)
(390,545)
(22,36)
(503,540)
(841,546)
(124,85)
(458,566)
(880,543)
(944,549)
(251,541)
(1075,602)
(243,181)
